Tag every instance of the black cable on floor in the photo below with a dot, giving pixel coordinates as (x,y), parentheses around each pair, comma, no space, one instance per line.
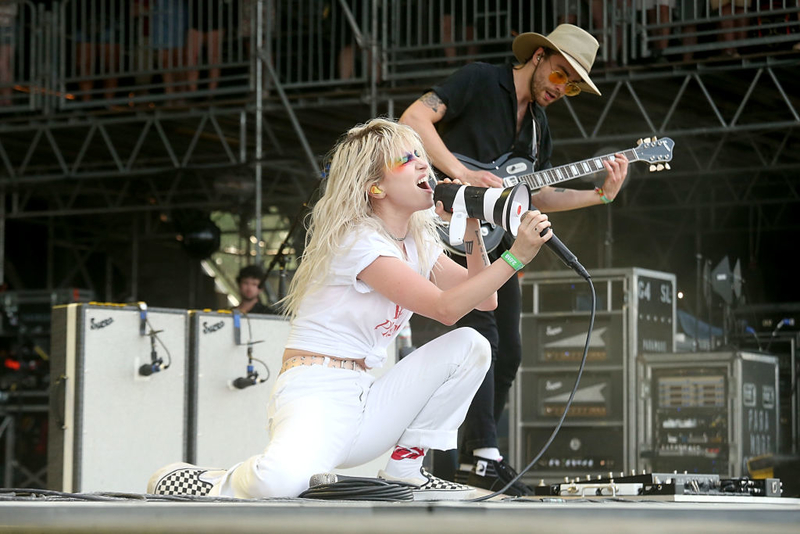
(360,489)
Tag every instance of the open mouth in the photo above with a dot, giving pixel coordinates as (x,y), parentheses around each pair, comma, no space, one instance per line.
(424,184)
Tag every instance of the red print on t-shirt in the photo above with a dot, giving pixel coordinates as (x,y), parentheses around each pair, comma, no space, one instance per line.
(390,326)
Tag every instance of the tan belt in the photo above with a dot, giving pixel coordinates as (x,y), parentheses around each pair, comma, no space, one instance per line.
(350,364)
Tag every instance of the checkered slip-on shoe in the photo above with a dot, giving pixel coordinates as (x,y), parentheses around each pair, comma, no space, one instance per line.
(431,488)
(183,479)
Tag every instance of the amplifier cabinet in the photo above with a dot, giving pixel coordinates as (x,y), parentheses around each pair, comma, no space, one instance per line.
(635,313)
(111,427)
(783,345)
(229,424)
(707,412)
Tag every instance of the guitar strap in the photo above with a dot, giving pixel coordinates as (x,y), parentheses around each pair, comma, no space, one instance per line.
(535,133)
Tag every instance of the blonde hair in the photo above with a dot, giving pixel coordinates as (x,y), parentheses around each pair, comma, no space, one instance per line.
(358,161)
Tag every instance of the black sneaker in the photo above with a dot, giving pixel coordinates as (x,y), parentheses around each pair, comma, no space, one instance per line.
(493,475)
(183,479)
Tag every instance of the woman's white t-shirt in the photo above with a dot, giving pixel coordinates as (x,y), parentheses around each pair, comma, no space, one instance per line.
(345,317)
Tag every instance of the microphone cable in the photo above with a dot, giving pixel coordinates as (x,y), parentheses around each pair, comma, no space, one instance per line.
(566,407)
(344,488)
(155,362)
(252,378)
(154,334)
(750,330)
(781,323)
(250,344)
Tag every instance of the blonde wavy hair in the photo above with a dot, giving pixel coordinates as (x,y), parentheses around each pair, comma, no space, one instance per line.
(357,162)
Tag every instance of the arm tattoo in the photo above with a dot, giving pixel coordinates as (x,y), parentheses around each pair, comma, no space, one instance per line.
(431,100)
(482,248)
(469,247)
(559,190)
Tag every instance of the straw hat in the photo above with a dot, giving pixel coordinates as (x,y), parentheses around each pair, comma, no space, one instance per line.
(576,45)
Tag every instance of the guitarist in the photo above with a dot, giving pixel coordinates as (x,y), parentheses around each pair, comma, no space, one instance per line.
(483,111)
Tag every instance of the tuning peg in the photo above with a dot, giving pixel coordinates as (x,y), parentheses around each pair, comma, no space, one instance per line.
(666,166)
(659,167)
(639,142)
(652,168)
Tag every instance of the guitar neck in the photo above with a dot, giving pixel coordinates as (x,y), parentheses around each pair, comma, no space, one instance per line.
(556,175)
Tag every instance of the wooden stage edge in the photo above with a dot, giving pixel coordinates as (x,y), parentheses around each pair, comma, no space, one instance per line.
(729,515)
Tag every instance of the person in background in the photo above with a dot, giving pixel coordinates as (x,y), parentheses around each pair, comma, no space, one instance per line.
(659,13)
(732,24)
(8,36)
(251,282)
(168,23)
(98,28)
(205,28)
(483,112)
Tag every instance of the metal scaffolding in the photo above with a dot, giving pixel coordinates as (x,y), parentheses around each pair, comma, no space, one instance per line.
(291,76)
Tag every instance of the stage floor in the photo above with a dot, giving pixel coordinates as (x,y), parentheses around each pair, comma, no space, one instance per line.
(729,515)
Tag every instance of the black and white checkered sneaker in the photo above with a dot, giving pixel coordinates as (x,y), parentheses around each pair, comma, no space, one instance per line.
(431,488)
(183,479)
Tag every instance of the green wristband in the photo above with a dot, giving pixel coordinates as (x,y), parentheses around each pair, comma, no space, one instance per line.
(603,197)
(512,260)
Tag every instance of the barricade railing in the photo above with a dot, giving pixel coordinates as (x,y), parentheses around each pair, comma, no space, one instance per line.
(315,43)
(122,52)
(150,53)
(429,39)
(20,51)
(721,29)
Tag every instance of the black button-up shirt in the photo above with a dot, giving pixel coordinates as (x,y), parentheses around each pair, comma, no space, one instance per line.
(481,117)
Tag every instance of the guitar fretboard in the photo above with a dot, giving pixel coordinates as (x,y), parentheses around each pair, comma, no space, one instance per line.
(563,173)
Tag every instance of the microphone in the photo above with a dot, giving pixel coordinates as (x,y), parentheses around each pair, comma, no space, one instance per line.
(244,382)
(252,375)
(561,250)
(149,368)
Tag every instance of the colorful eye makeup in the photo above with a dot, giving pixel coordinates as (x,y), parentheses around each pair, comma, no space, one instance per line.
(399,162)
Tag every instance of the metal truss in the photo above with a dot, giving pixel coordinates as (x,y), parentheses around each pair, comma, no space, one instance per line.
(737,146)
(736,126)
(141,162)
(102,156)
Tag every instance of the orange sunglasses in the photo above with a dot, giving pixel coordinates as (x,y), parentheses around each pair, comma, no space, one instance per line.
(559,78)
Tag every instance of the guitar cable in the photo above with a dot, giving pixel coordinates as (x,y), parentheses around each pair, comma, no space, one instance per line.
(566,407)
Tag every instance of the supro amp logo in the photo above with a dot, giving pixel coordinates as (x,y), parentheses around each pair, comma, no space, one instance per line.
(211,328)
(99,324)
(553,330)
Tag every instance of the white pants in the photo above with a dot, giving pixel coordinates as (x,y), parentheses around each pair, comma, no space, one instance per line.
(321,418)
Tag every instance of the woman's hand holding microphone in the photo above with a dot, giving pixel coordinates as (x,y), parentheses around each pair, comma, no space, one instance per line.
(529,236)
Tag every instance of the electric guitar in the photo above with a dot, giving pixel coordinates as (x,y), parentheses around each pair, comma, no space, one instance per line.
(514,170)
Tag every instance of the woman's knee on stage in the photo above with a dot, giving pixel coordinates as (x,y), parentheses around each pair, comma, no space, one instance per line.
(275,479)
(480,351)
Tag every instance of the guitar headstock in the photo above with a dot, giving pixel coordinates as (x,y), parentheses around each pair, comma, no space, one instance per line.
(657,152)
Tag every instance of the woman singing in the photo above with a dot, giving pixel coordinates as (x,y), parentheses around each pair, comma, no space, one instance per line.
(372,259)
